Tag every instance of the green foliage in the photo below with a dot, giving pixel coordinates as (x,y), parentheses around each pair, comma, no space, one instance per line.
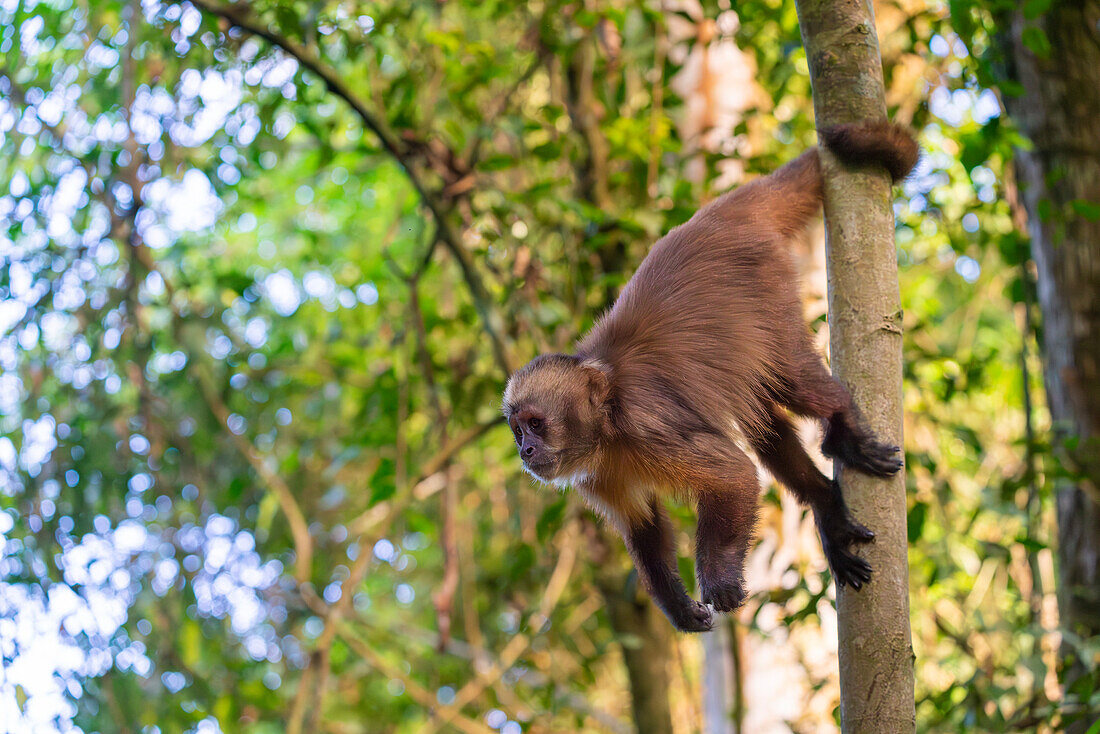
(224,281)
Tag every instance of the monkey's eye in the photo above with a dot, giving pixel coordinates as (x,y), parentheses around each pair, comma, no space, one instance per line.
(534,424)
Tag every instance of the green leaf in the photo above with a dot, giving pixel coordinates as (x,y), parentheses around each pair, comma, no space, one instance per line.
(1034,8)
(1088,209)
(551,517)
(382,482)
(915,520)
(1046,209)
(190,643)
(1036,41)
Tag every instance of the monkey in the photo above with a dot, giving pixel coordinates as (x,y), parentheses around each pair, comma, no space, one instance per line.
(704,354)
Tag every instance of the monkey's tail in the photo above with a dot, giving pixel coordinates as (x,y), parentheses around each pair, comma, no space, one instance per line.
(785,202)
(866,143)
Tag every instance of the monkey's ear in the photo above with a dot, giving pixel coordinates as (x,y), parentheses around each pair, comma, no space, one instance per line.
(599,383)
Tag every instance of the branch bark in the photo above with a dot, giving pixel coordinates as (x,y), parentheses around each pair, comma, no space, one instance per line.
(876,653)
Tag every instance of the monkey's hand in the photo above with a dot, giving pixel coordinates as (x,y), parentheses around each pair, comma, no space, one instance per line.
(692,617)
(725,593)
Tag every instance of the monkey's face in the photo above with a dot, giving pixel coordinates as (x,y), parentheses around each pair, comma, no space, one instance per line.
(532,432)
(554,408)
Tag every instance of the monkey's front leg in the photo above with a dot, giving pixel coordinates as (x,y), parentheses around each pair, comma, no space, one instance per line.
(652,546)
(727,501)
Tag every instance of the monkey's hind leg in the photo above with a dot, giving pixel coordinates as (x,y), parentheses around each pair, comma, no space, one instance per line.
(818,394)
(782,453)
(726,488)
(652,546)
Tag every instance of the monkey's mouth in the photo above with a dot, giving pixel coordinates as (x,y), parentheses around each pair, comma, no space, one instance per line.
(543,469)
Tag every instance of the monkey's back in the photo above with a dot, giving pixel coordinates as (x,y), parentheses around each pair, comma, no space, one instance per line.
(702,334)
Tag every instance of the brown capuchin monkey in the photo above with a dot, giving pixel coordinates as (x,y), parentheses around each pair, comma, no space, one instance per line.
(707,348)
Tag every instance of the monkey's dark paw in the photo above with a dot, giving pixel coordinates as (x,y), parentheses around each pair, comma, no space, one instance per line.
(694,617)
(838,529)
(876,459)
(854,532)
(848,568)
(723,597)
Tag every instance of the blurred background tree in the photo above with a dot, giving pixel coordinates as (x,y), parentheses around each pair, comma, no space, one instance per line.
(265,269)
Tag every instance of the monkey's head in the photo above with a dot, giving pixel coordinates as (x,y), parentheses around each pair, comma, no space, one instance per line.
(557,408)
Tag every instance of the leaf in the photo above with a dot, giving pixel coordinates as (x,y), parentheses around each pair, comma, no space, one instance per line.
(497,163)
(521,561)
(550,519)
(190,641)
(1031,544)
(1045,209)
(382,482)
(1090,210)
(265,514)
(1034,8)
(550,151)
(287,19)
(1036,41)
(915,520)
(1013,248)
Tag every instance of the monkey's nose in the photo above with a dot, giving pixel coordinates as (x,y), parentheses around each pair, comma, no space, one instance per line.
(528,451)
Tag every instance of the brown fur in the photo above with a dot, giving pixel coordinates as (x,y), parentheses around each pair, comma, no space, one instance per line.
(707,345)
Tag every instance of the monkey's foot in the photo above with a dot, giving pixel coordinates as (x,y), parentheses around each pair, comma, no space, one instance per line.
(848,568)
(857,449)
(724,594)
(878,459)
(692,617)
(853,445)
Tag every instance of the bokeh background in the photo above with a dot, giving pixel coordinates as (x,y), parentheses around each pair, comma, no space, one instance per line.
(265,268)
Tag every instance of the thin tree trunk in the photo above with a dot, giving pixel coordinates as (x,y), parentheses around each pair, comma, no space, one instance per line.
(876,653)
(1059,110)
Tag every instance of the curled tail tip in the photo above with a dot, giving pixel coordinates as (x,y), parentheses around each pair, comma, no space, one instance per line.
(886,143)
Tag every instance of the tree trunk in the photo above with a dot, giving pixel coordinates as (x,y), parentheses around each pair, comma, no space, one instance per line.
(1059,110)
(642,632)
(876,653)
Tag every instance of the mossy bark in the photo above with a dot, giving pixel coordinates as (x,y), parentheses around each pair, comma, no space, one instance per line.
(876,653)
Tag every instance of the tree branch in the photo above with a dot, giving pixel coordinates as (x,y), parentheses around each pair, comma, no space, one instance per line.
(874,638)
(417,692)
(242,17)
(299,529)
(520,642)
